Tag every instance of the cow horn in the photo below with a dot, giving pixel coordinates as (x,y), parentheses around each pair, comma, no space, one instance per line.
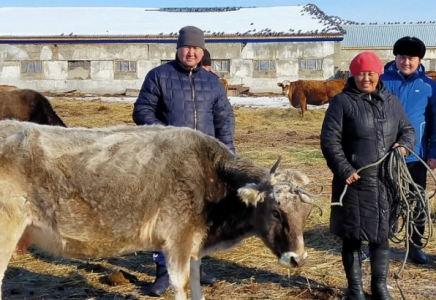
(305,199)
(303,194)
(274,168)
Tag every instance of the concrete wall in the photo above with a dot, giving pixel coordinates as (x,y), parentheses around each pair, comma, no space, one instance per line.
(63,70)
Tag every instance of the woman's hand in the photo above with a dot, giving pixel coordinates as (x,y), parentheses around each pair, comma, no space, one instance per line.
(403,150)
(354,177)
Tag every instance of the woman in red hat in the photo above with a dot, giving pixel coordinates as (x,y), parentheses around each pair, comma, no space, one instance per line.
(361,125)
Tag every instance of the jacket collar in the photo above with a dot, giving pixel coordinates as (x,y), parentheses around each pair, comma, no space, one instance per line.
(391,68)
(352,90)
(179,66)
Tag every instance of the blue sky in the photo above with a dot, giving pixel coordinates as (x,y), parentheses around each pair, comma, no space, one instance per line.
(356,10)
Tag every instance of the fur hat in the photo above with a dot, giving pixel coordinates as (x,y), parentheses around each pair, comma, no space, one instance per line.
(366,62)
(409,45)
(190,36)
(206,60)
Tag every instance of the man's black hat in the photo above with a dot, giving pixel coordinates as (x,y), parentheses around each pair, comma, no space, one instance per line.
(410,46)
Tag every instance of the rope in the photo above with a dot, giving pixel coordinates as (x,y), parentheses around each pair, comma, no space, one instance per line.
(302,192)
(410,201)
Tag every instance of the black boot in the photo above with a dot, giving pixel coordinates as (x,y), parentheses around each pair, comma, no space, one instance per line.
(352,266)
(415,253)
(417,256)
(379,271)
(161,283)
(206,279)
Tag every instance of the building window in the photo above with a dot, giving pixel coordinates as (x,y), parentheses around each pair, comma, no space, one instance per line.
(311,64)
(31,66)
(125,66)
(264,65)
(79,69)
(220,66)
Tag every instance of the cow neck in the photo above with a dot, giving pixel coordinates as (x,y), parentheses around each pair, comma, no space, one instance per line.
(229,221)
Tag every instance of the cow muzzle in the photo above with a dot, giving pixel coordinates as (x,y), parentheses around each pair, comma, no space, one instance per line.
(293,260)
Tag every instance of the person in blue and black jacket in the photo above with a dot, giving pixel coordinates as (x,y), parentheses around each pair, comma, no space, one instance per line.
(182,93)
(405,78)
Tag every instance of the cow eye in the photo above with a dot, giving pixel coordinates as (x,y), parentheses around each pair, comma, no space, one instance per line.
(276,214)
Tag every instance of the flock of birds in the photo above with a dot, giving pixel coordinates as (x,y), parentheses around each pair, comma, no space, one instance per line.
(332,24)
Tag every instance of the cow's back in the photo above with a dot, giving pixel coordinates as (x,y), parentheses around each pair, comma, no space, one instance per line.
(316,92)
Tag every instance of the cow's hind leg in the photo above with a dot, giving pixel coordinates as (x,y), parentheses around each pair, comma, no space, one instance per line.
(13,222)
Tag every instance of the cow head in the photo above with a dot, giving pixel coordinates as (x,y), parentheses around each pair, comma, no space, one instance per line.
(280,215)
(285,85)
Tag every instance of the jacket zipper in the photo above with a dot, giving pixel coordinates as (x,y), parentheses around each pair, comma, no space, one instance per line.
(193,99)
(377,121)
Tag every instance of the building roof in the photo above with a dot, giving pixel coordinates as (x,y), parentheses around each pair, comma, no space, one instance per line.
(109,23)
(373,36)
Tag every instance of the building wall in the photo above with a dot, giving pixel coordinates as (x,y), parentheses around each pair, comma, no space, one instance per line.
(91,67)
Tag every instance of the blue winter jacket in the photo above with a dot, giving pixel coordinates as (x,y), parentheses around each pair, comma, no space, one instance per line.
(174,95)
(417,94)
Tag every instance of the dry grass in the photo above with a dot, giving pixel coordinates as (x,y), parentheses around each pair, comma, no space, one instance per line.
(248,271)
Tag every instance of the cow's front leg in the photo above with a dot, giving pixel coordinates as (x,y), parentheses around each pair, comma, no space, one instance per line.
(194,280)
(12,225)
(178,271)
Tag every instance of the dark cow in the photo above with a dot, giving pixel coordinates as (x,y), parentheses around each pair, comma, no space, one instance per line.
(313,92)
(27,105)
(101,192)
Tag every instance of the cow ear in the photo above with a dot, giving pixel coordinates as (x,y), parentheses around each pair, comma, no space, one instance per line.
(250,194)
(279,84)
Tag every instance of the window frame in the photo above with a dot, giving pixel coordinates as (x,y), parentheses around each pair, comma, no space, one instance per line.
(311,64)
(33,69)
(129,64)
(259,65)
(224,66)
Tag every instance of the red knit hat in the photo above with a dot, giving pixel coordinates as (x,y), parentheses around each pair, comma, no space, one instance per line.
(366,62)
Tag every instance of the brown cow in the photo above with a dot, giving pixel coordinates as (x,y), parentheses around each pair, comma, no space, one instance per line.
(101,192)
(431,74)
(225,84)
(313,92)
(27,105)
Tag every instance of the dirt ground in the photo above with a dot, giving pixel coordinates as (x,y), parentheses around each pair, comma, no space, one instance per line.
(248,271)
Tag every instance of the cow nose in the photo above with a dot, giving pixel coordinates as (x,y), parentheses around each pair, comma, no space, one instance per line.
(297,261)
(293,260)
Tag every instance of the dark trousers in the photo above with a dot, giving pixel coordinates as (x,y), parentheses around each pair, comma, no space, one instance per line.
(355,245)
(418,171)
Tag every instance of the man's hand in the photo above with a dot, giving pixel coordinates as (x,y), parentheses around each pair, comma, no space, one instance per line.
(431,162)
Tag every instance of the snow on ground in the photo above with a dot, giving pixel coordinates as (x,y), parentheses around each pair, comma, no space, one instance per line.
(254,102)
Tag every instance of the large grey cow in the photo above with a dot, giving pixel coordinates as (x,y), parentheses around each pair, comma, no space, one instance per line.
(80,192)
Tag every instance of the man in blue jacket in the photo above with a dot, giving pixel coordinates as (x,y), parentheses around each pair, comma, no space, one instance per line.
(182,93)
(405,77)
